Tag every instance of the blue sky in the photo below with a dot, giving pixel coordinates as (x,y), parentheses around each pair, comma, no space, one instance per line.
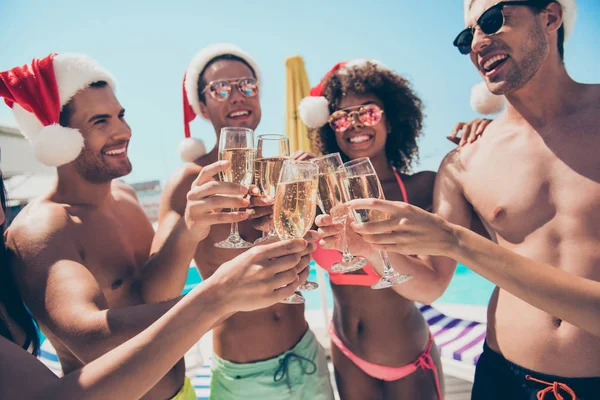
(147,47)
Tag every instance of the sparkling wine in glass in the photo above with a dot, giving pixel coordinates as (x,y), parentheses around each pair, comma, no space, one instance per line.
(271,152)
(236,145)
(295,207)
(332,193)
(362,183)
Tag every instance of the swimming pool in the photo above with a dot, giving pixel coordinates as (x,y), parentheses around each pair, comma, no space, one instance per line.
(466,287)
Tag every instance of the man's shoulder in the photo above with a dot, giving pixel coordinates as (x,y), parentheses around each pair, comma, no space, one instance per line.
(452,161)
(458,159)
(127,200)
(41,221)
(121,188)
(189,171)
(594,97)
(454,165)
(174,193)
(127,197)
(181,179)
(185,174)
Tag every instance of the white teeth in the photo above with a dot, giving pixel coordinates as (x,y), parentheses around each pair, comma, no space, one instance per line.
(115,151)
(359,139)
(493,60)
(238,113)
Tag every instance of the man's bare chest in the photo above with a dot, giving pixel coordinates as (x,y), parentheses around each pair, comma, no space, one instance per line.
(113,249)
(520,186)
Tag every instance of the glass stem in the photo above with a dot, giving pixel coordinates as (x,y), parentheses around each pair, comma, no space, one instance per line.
(346,256)
(387,265)
(234,233)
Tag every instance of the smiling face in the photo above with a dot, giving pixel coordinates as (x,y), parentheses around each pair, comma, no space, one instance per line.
(100,118)
(510,58)
(237,110)
(393,136)
(360,140)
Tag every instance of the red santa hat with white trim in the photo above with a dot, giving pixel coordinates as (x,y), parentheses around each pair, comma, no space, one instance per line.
(190,149)
(37,92)
(485,102)
(314,109)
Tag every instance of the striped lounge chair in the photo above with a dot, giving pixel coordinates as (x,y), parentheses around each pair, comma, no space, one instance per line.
(460,342)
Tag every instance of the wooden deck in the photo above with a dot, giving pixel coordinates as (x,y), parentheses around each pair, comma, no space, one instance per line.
(457,389)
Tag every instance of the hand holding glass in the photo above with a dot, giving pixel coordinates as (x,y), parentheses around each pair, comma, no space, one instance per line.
(362,183)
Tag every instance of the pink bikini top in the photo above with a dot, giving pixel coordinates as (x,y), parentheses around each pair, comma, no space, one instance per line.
(326,258)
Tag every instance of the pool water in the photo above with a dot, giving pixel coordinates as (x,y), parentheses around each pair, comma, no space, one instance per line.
(466,287)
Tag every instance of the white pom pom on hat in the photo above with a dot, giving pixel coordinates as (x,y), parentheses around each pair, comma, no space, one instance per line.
(190,149)
(314,109)
(37,92)
(485,102)
(56,144)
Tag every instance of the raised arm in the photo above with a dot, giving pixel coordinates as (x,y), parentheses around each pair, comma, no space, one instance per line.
(191,203)
(559,293)
(564,295)
(260,278)
(124,372)
(431,275)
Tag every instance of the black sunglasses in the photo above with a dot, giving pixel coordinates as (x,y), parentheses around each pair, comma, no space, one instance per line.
(489,22)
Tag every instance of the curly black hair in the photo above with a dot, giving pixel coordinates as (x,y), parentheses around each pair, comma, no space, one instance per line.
(402,107)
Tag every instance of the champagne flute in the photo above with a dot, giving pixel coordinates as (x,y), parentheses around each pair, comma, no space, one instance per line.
(271,152)
(236,145)
(362,183)
(295,207)
(332,193)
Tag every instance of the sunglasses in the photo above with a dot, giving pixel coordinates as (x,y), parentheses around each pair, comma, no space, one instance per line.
(221,90)
(489,22)
(368,115)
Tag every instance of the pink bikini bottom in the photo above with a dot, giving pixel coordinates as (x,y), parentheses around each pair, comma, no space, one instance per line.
(389,374)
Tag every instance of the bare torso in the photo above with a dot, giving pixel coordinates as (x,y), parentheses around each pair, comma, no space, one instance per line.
(381,326)
(114,244)
(539,195)
(249,336)
(245,336)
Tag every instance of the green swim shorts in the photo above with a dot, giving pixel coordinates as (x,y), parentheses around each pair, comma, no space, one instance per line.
(299,373)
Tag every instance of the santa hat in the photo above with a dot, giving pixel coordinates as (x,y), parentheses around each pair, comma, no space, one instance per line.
(191,148)
(37,92)
(314,110)
(484,101)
